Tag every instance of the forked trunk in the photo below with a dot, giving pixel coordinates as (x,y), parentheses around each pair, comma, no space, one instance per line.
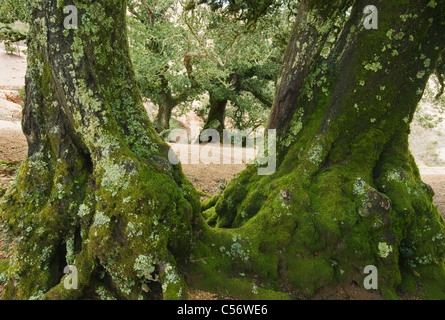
(97,192)
(347,192)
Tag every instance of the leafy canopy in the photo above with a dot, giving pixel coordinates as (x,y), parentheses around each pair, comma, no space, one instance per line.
(186,51)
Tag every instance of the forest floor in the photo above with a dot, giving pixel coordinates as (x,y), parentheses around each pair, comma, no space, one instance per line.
(210,179)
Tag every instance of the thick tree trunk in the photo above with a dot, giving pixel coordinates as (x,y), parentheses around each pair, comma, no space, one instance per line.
(347,192)
(96,190)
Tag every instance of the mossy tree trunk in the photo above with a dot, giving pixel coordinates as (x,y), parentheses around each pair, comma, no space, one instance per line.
(347,192)
(96,190)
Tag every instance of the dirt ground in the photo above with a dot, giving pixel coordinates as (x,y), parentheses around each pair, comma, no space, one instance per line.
(12,69)
(208,178)
(437,181)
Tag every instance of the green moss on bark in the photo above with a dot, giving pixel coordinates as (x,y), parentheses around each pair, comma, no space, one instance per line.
(347,192)
(96,190)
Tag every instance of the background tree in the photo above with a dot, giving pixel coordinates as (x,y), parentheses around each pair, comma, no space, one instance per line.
(181,53)
(161,57)
(10,12)
(242,61)
(14,10)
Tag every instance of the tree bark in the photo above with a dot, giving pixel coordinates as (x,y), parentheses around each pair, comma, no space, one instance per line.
(347,192)
(96,190)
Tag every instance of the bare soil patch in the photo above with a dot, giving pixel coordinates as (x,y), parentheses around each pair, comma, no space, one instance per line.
(437,182)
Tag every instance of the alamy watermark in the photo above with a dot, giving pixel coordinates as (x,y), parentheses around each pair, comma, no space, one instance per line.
(72,19)
(261,146)
(371,282)
(372,18)
(71,279)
